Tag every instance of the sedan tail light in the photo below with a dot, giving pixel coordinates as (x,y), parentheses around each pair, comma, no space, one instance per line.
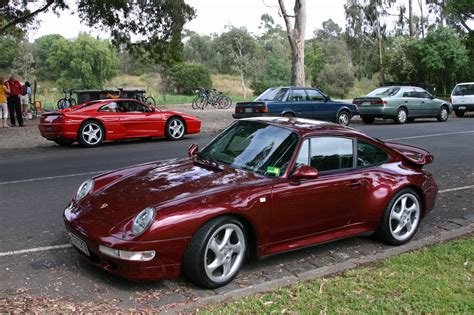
(261,109)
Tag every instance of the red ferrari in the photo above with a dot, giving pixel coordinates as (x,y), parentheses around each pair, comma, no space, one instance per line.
(263,186)
(94,122)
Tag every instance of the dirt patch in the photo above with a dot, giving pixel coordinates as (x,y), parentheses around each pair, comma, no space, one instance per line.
(30,137)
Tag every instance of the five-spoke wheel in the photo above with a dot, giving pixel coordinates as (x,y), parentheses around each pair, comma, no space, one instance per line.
(91,134)
(216,253)
(175,128)
(401,218)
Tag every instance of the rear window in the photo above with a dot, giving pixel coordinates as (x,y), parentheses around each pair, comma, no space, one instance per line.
(464,89)
(384,91)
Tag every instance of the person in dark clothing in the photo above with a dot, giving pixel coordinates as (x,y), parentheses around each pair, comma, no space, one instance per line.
(13,100)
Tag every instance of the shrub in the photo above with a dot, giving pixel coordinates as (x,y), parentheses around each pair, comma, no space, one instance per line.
(185,78)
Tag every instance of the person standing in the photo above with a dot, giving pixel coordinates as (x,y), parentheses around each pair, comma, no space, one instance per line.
(25,99)
(13,100)
(4,91)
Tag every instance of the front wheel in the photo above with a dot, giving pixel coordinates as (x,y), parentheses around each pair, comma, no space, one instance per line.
(401,218)
(216,253)
(344,118)
(443,114)
(91,134)
(175,128)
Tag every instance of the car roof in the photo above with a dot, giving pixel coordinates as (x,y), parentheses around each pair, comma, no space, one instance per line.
(305,127)
(465,83)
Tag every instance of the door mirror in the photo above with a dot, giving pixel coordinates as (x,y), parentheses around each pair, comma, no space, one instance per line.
(305,172)
(193,150)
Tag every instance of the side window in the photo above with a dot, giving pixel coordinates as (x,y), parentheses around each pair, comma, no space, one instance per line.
(331,153)
(122,107)
(425,95)
(303,155)
(368,154)
(297,96)
(407,94)
(314,95)
(110,107)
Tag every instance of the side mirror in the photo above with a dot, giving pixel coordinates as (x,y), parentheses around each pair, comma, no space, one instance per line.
(193,150)
(305,172)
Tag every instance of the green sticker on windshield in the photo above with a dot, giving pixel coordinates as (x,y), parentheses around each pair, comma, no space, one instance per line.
(273,170)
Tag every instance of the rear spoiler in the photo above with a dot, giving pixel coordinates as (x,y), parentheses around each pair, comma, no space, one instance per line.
(413,155)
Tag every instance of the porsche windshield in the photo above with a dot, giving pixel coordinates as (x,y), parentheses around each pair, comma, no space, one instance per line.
(254,146)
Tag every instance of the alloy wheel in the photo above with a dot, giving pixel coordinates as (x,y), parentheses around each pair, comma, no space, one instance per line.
(444,113)
(402,116)
(404,217)
(92,133)
(224,253)
(344,119)
(176,128)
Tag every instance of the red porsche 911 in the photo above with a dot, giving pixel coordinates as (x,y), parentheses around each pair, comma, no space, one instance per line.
(94,122)
(263,186)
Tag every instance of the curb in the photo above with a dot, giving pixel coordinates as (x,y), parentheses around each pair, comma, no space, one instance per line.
(316,273)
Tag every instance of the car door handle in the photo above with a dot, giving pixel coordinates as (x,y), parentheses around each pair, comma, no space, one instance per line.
(422,102)
(406,101)
(354,183)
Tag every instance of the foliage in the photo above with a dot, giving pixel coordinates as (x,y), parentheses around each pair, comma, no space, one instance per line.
(185,78)
(41,51)
(434,279)
(85,62)
(9,47)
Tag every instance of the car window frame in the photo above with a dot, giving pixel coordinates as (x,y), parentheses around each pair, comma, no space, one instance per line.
(99,110)
(372,144)
(298,89)
(318,91)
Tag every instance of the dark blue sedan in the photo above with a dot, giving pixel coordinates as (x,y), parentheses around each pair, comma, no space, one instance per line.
(297,102)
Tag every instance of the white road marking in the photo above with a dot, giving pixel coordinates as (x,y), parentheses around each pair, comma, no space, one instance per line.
(455,189)
(433,135)
(51,177)
(34,250)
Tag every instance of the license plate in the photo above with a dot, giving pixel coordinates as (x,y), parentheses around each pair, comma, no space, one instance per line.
(79,244)
(366,103)
(462,107)
(249,110)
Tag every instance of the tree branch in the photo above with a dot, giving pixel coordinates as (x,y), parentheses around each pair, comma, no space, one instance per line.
(461,19)
(286,17)
(26,17)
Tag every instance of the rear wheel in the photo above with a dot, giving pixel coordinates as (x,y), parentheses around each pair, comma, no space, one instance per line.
(344,118)
(402,116)
(459,113)
(368,120)
(175,128)
(91,134)
(216,253)
(443,114)
(401,218)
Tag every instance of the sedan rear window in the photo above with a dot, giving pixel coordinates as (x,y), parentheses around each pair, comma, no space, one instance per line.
(384,91)
(272,94)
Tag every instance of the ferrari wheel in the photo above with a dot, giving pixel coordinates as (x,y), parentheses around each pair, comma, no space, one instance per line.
(216,253)
(91,134)
(401,218)
(175,128)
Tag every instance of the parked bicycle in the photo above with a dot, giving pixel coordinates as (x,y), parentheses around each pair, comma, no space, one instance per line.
(68,100)
(216,99)
(150,100)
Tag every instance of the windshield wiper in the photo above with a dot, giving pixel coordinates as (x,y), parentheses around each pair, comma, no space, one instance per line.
(208,160)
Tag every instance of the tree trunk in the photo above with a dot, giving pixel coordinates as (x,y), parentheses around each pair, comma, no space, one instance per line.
(410,17)
(242,83)
(422,22)
(296,35)
(380,48)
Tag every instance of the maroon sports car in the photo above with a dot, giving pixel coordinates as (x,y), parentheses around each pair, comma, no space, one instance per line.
(263,186)
(94,122)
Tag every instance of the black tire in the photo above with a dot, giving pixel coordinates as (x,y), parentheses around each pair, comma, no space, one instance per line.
(443,114)
(368,119)
(459,113)
(383,232)
(150,100)
(289,115)
(402,116)
(344,118)
(226,102)
(194,260)
(89,127)
(171,128)
(62,103)
(64,142)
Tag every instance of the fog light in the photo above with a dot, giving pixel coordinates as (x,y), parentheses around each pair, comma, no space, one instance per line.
(126,255)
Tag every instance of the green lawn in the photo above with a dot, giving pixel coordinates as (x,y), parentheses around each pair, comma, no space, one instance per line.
(438,279)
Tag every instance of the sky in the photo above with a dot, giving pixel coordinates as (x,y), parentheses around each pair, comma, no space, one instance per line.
(212,16)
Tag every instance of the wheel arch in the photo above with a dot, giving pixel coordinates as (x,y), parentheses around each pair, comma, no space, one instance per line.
(288,111)
(344,109)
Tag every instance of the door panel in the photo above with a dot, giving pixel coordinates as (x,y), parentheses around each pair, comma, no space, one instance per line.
(137,122)
(299,103)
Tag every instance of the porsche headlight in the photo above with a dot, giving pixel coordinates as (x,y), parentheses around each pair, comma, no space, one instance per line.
(143,220)
(84,189)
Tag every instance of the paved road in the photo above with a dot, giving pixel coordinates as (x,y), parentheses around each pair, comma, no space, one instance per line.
(36,184)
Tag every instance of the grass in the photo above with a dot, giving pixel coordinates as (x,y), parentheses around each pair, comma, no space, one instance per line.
(438,279)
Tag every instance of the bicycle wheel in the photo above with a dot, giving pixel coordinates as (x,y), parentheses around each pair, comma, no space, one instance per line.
(227,102)
(150,100)
(62,103)
(196,102)
(33,111)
